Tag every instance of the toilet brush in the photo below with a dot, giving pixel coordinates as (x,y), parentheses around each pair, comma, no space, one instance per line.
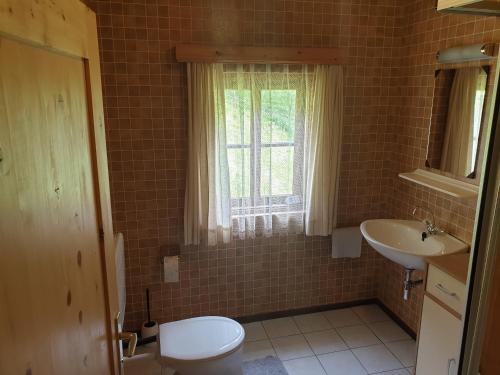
(150,327)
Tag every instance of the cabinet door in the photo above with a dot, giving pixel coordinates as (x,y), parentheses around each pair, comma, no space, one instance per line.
(439,343)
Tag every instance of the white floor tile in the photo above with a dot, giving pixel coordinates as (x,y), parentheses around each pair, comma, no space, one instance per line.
(342,318)
(371,313)
(304,366)
(357,336)
(142,364)
(325,342)
(165,371)
(280,327)
(257,349)
(405,351)
(254,332)
(388,331)
(411,370)
(341,363)
(312,322)
(395,372)
(291,347)
(377,359)
(147,348)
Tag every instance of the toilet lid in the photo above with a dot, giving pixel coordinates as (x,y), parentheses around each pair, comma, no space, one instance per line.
(200,338)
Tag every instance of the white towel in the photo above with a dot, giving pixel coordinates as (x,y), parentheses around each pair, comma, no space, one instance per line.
(346,242)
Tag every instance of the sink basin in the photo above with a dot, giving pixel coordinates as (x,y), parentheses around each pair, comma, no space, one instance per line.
(401,241)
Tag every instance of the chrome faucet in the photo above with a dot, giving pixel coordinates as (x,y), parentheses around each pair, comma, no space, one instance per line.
(430,226)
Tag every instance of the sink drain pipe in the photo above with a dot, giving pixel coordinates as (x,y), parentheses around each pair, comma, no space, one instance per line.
(409,284)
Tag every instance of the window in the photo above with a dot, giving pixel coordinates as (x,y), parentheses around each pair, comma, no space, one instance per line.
(478,112)
(277,141)
(256,133)
(264,127)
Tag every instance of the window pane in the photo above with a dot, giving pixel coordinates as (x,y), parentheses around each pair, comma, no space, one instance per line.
(239,172)
(238,115)
(278,115)
(276,174)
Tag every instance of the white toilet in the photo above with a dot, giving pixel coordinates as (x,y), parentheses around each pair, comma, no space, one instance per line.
(209,345)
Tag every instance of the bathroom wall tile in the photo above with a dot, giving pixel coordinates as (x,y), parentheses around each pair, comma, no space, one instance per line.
(426,32)
(146,119)
(391,49)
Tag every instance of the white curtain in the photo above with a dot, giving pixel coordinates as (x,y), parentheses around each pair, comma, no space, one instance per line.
(264,150)
(458,145)
(207,215)
(323,139)
(265,111)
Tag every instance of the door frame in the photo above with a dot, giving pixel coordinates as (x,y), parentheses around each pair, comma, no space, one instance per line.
(69,27)
(485,252)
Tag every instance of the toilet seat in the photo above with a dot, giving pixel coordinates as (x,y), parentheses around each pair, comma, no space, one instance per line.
(199,339)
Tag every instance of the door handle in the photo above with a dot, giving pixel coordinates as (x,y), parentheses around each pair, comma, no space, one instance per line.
(131,338)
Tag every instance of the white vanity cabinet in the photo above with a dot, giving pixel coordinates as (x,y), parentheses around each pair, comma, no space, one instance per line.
(441,327)
(439,341)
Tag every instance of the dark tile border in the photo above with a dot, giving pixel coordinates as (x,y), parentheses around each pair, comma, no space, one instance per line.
(333,306)
(304,310)
(313,309)
(397,319)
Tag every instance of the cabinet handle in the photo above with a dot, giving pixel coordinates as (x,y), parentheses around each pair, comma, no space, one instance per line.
(446,291)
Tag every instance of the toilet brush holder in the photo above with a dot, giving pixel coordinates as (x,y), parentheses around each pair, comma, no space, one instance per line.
(149,329)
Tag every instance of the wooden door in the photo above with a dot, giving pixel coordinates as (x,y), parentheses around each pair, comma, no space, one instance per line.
(57,276)
(490,360)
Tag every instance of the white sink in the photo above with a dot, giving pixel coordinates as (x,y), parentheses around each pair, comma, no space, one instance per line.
(401,241)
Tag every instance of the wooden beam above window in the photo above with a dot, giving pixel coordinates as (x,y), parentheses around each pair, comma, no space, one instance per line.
(259,55)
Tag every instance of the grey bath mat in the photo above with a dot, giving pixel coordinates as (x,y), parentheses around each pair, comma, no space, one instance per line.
(264,366)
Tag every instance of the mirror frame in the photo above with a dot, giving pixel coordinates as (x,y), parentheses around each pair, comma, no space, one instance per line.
(491,67)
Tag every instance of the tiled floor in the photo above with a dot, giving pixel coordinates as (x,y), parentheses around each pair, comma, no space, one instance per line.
(360,340)
(355,341)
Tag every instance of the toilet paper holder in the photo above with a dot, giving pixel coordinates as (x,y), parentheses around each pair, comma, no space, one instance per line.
(169,251)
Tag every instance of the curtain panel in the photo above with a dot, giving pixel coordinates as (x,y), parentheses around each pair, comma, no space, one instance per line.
(458,156)
(323,140)
(207,215)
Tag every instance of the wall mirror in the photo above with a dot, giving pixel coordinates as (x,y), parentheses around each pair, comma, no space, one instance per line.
(459,113)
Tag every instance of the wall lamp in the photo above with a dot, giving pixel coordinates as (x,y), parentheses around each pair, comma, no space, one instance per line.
(473,52)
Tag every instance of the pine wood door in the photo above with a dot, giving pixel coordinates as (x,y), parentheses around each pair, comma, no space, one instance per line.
(57,277)
(490,360)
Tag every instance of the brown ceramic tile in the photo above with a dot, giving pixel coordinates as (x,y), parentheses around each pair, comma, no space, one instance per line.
(388,102)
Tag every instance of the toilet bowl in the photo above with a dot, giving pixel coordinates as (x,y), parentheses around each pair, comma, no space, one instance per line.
(209,345)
